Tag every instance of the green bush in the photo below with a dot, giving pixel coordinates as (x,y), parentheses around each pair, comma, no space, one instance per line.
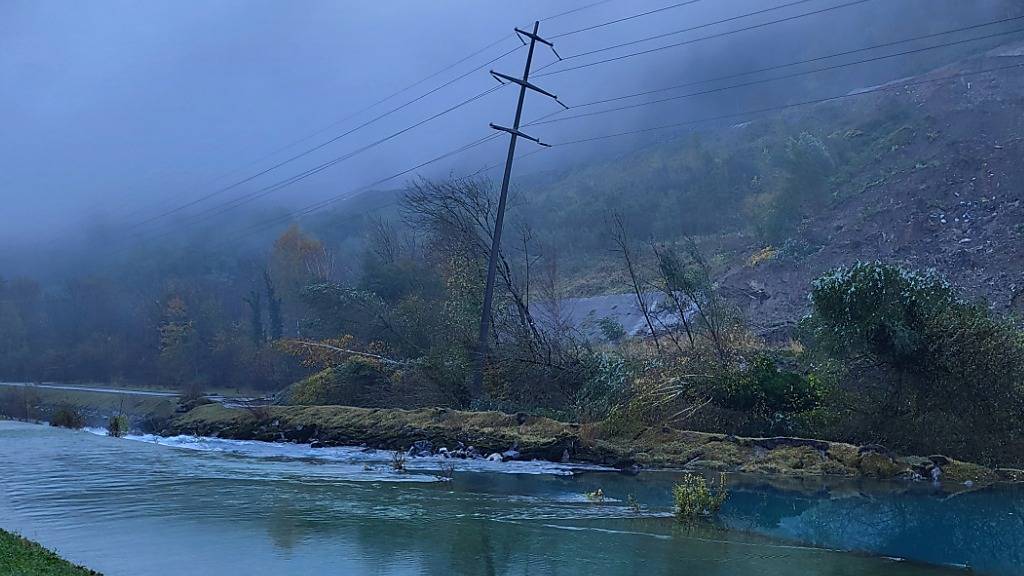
(611,329)
(769,393)
(697,499)
(923,369)
(117,426)
(879,310)
(67,416)
(370,383)
(348,384)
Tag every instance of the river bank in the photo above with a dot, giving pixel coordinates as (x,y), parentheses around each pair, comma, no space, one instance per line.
(530,437)
(22,557)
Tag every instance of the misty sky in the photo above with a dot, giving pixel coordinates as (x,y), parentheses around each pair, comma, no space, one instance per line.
(118,110)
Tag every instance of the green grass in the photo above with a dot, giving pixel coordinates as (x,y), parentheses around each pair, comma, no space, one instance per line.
(108,402)
(22,557)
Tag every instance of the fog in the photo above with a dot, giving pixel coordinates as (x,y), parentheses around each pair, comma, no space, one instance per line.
(118,112)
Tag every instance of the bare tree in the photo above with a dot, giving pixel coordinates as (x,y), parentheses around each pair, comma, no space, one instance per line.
(703,294)
(545,359)
(670,271)
(624,247)
(689,282)
(320,263)
(461,212)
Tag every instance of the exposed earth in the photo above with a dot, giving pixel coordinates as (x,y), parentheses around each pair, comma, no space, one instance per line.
(944,190)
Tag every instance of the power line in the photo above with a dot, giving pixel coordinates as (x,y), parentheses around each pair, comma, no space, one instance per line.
(357,113)
(287,182)
(766,80)
(695,40)
(788,64)
(625,18)
(353,193)
(323,166)
(374,104)
(368,187)
(575,10)
(317,169)
(357,151)
(323,144)
(788,106)
(319,205)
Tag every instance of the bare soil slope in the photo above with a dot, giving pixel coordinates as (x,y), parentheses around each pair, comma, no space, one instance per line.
(944,190)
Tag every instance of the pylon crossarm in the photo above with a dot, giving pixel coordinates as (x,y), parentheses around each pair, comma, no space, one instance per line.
(518,133)
(523,83)
(522,33)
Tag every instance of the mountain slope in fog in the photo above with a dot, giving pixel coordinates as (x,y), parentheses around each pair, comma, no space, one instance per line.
(945,190)
(923,171)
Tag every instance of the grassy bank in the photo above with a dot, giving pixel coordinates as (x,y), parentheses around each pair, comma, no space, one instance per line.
(543,438)
(22,557)
(35,403)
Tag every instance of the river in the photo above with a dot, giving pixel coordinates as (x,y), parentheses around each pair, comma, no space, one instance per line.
(155,506)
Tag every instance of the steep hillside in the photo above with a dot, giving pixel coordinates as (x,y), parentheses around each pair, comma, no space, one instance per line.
(947,192)
(924,171)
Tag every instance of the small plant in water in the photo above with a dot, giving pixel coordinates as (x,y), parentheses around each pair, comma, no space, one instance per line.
(633,504)
(596,496)
(447,470)
(117,426)
(398,461)
(697,499)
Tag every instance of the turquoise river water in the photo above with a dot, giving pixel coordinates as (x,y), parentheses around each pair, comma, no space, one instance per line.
(154,506)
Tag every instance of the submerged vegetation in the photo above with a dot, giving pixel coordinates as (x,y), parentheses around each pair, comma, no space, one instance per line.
(117,426)
(696,499)
(398,461)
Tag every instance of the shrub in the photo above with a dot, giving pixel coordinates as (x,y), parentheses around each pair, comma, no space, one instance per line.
(769,393)
(657,394)
(695,499)
(193,396)
(765,254)
(398,461)
(117,426)
(923,370)
(878,310)
(603,385)
(353,382)
(67,416)
(611,329)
